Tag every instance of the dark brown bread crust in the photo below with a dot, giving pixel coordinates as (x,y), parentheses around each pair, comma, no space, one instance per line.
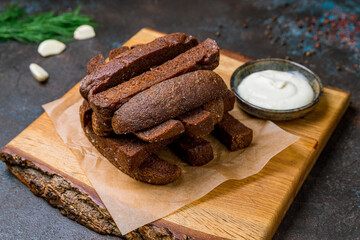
(85,114)
(136,45)
(157,171)
(117,51)
(151,169)
(167,100)
(100,125)
(229,100)
(198,123)
(94,63)
(165,130)
(232,133)
(194,151)
(215,108)
(127,151)
(203,56)
(136,61)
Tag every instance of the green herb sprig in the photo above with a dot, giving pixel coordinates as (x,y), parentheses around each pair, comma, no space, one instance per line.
(16,25)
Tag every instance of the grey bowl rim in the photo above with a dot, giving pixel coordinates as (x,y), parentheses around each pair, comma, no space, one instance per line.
(240,68)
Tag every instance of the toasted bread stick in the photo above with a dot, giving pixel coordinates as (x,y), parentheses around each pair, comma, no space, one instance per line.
(165,130)
(198,123)
(100,125)
(167,100)
(117,51)
(136,61)
(215,108)
(151,169)
(128,151)
(85,114)
(232,133)
(194,151)
(157,171)
(229,100)
(94,63)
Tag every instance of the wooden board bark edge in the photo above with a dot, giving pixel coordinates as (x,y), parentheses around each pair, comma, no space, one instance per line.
(76,204)
(60,193)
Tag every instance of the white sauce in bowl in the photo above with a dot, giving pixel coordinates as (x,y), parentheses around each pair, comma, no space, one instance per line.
(276,90)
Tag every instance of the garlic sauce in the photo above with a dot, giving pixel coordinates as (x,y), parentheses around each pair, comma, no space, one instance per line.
(276,90)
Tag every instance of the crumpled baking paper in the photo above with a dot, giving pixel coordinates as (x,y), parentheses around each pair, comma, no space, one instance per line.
(133,204)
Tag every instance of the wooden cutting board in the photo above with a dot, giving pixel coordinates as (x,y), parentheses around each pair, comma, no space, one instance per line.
(248,209)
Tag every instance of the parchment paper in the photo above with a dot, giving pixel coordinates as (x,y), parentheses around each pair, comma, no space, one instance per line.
(133,204)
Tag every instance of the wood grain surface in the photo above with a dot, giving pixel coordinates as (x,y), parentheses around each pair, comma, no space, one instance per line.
(251,208)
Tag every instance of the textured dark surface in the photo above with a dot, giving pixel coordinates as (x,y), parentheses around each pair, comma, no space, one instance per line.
(328,204)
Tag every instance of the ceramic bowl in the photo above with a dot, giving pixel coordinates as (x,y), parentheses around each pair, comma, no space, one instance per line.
(280,65)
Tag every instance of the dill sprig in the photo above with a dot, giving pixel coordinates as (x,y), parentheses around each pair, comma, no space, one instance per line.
(15,24)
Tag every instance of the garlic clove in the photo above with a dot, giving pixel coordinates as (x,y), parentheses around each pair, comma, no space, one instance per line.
(51,47)
(84,32)
(38,72)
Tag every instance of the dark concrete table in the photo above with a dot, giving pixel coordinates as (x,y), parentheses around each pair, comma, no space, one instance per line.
(328,204)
